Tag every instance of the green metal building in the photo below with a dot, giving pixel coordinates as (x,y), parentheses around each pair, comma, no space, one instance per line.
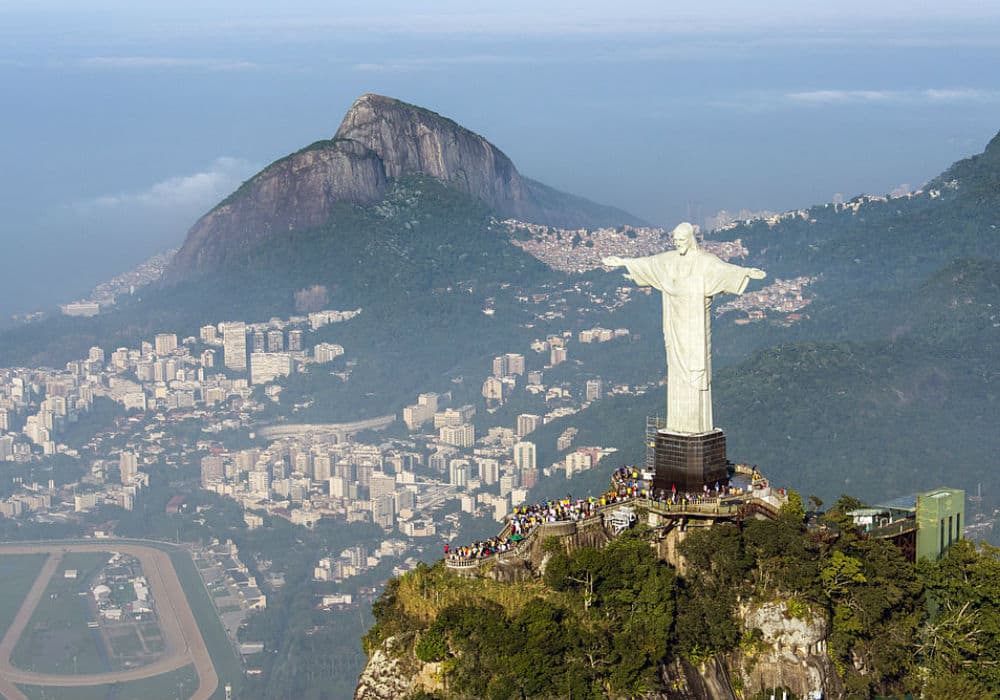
(923,525)
(940,519)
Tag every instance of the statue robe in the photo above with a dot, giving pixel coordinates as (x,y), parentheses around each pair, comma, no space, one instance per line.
(688,283)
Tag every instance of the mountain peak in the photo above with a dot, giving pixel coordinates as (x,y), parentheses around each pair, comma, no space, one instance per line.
(992,151)
(380,139)
(411,140)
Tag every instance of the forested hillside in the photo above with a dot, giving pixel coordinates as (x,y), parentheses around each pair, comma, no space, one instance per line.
(605,622)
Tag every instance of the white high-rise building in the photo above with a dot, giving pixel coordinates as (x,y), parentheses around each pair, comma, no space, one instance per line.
(454,416)
(119,358)
(493,389)
(128,467)
(527,423)
(258,341)
(594,389)
(524,455)
(514,363)
(260,483)
(208,335)
(325,352)
(507,484)
(489,470)
(458,472)
(557,355)
(275,341)
(212,470)
(380,485)
(405,499)
(338,486)
(208,358)
(6,448)
(267,366)
(463,435)
(419,413)
(507,365)
(322,467)
(498,368)
(234,345)
(165,343)
(578,462)
(384,511)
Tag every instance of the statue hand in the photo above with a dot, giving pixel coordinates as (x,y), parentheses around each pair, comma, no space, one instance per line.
(613,261)
(756,274)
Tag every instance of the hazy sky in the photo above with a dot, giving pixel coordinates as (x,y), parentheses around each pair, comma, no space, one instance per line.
(124,121)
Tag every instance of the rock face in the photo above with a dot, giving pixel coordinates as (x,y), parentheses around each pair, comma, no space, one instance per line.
(790,652)
(295,192)
(793,653)
(379,138)
(411,140)
(392,673)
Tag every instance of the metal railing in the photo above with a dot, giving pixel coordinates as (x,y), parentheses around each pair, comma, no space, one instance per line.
(721,508)
(899,527)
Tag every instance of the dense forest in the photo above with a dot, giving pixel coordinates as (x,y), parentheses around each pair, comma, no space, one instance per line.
(603,622)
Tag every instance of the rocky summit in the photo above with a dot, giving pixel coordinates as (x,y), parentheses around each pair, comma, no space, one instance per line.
(380,139)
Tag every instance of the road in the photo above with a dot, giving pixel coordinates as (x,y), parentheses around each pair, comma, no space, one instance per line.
(340,430)
(184,643)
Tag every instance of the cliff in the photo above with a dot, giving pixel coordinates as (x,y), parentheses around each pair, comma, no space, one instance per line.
(379,139)
(521,626)
(296,192)
(410,140)
(787,651)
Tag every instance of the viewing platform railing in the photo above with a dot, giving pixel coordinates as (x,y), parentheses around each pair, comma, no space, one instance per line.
(893,529)
(730,507)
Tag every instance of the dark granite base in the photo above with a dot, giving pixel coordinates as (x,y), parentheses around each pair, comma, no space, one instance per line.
(690,461)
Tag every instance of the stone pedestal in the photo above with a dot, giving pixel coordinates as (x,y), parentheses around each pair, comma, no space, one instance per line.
(689,461)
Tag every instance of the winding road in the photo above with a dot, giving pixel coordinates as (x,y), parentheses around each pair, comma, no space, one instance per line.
(184,643)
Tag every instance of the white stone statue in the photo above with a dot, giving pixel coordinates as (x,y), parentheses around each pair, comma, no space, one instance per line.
(688,278)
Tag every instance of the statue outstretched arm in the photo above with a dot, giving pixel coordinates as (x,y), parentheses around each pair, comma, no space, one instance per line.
(615,261)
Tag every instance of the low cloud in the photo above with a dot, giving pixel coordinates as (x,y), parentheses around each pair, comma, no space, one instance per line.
(406,65)
(962,95)
(184,193)
(840,96)
(930,95)
(165,63)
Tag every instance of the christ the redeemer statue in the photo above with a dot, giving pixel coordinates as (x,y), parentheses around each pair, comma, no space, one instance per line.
(688,278)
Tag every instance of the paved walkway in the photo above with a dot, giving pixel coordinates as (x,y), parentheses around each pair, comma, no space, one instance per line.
(184,643)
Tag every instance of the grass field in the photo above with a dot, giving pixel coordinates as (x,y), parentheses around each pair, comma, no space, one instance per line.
(175,685)
(125,643)
(154,637)
(18,572)
(57,639)
(227,665)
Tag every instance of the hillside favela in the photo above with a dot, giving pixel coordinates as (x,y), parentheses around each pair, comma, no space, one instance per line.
(309,391)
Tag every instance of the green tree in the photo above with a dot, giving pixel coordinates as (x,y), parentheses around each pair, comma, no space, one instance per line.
(961,637)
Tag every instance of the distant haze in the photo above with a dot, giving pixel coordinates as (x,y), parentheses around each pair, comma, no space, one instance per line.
(124,122)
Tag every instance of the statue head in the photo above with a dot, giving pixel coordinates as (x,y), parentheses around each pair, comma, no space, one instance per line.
(684,240)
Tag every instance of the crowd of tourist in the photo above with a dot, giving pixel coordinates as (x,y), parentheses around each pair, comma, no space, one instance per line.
(525,519)
(628,483)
